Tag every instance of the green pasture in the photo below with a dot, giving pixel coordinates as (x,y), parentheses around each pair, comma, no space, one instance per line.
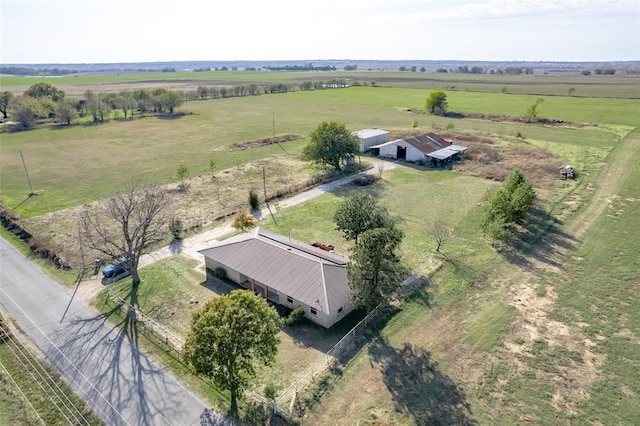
(85,162)
(548,85)
(418,197)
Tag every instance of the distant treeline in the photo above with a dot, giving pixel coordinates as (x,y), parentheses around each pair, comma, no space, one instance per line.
(43,101)
(306,67)
(33,71)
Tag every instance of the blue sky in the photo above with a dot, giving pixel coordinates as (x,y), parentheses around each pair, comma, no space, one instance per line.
(90,31)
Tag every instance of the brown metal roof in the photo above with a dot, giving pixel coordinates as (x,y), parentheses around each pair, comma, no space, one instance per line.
(427,142)
(310,275)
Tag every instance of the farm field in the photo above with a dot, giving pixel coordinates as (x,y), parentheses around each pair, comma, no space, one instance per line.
(617,86)
(545,331)
(149,150)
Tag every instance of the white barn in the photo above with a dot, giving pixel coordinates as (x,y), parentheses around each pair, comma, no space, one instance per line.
(414,148)
(370,137)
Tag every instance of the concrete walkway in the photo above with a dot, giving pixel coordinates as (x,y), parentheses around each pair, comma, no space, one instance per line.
(190,246)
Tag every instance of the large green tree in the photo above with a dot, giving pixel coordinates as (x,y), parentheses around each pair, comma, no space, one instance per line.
(360,212)
(5,99)
(66,111)
(436,103)
(229,336)
(45,90)
(508,206)
(330,144)
(26,111)
(375,270)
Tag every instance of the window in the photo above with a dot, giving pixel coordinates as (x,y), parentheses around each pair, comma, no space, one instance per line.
(290,299)
(313,311)
(340,310)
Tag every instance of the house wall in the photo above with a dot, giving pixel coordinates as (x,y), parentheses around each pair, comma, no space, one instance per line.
(320,318)
(415,155)
(232,274)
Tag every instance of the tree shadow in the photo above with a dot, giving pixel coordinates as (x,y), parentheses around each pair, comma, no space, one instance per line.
(176,245)
(126,374)
(540,239)
(169,116)
(418,387)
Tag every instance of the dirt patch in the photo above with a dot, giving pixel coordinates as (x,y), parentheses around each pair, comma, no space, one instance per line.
(262,142)
(488,159)
(511,119)
(505,118)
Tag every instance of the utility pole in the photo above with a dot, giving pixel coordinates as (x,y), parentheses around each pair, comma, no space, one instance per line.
(264,184)
(27,172)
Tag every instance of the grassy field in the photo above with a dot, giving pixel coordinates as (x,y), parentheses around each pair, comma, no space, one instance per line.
(82,163)
(545,332)
(549,85)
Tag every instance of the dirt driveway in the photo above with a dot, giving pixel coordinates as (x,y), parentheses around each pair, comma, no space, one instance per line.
(89,289)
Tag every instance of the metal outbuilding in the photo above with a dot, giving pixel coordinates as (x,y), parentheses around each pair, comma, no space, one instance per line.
(370,137)
(413,148)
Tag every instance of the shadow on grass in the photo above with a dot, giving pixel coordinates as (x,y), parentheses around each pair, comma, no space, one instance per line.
(308,334)
(418,387)
(541,239)
(169,116)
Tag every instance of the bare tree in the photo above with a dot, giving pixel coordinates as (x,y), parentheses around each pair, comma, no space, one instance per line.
(441,234)
(128,224)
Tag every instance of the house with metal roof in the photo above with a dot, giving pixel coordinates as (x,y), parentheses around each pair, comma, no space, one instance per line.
(286,272)
(413,148)
(369,137)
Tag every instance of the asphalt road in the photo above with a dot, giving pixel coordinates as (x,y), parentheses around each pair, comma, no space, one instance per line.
(102,363)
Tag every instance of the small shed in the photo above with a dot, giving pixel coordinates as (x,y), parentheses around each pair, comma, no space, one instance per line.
(446,155)
(370,137)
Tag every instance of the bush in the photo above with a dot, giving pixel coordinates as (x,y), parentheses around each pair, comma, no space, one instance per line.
(295,316)
(254,202)
(176,228)
(220,273)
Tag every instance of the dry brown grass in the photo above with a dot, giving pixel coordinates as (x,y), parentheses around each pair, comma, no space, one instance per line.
(208,199)
(490,160)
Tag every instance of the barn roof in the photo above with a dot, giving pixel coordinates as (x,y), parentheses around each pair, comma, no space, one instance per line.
(370,133)
(425,142)
(444,153)
(313,276)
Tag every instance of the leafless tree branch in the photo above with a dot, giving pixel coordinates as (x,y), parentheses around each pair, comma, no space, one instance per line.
(127,224)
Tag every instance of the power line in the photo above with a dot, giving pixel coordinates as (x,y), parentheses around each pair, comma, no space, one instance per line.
(67,359)
(22,393)
(39,369)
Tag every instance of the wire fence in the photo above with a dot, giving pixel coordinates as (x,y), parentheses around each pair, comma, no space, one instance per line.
(148,326)
(284,403)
